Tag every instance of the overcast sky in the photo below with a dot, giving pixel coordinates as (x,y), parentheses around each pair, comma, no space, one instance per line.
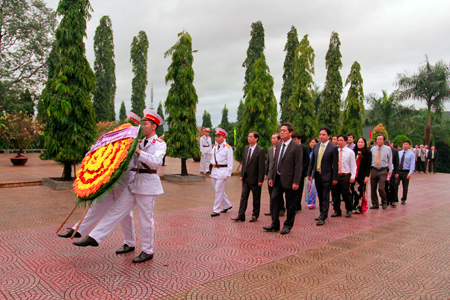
(385,36)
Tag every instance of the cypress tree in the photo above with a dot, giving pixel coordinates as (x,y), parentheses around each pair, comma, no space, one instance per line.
(139,59)
(330,110)
(224,121)
(288,75)
(160,111)
(206,120)
(301,100)
(71,127)
(260,108)
(354,103)
(105,71)
(122,112)
(181,103)
(254,51)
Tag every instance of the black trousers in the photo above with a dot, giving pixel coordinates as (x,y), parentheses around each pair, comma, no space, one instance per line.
(323,193)
(256,191)
(342,188)
(281,204)
(432,166)
(405,183)
(276,198)
(298,204)
(391,189)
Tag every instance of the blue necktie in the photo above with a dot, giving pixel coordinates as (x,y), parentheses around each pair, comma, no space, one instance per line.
(280,158)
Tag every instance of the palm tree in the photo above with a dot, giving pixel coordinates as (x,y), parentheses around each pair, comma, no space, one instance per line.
(430,84)
(387,110)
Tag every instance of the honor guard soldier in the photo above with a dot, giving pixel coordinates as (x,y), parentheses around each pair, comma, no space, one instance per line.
(99,209)
(221,167)
(141,191)
(205,149)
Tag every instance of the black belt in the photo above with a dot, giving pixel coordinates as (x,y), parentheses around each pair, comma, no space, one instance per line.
(343,174)
(403,170)
(148,171)
(219,166)
(380,169)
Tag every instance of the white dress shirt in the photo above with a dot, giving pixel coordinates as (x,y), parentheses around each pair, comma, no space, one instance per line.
(348,163)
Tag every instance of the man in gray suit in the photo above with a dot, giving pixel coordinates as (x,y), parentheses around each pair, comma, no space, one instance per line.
(284,177)
(270,155)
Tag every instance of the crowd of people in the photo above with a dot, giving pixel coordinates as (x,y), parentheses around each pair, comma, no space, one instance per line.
(336,168)
(330,167)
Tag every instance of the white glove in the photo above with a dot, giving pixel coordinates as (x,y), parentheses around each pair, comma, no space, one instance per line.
(226,177)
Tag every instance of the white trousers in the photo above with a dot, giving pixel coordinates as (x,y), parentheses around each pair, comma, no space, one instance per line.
(221,199)
(204,162)
(96,213)
(121,209)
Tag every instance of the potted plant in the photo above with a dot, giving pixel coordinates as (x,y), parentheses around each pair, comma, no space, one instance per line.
(19,130)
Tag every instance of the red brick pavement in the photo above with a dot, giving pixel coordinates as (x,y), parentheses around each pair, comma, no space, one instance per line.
(194,253)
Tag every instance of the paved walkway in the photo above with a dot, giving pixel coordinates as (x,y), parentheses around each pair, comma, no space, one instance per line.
(399,253)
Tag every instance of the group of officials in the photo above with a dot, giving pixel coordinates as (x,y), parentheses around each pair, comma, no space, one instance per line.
(338,169)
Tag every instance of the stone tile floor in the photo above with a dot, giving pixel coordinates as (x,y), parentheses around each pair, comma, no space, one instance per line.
(397,253)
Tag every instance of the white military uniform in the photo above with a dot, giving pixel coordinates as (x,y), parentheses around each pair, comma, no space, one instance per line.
(141,191)
(205,149)
(98,210)
(223,153)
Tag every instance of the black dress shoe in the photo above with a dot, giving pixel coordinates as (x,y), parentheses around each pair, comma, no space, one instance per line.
(214,214)
(403,202)
(336,214)
(320,222)
(285,230)
(374,207)
(225,210)
(349,214)
(86,241)
(69,233)
(142,257)
(384,206)
(237,219)
(317,219)
(253,219)
(271,228)
(267,214)
(124,249)
(394,205)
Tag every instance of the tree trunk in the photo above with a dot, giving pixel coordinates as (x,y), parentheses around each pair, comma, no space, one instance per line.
(184,171)
(428,130)
(67,174)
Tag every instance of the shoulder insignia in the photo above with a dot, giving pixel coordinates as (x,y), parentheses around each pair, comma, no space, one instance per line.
(153,141)
(228,146)
(160,140)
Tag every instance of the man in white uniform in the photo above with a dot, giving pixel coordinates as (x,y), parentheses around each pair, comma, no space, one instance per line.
(141,191)
(205,149)
(221,168)
(99,209)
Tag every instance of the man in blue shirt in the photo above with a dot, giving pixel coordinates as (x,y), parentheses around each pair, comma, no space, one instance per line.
(406,168)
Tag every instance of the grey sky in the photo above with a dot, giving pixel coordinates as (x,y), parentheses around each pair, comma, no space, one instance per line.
(386,37)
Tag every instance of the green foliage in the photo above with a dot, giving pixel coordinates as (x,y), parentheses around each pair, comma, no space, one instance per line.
(400,139)
(27,31)
(70,120)
(260,108)
(181,102)
(443,164)
(330,110)
(288,75)
(160,111)
(431,85)
(379,129)
(139,59)
(318,96)
(388,110)
(105,71)
(238,125)
(354,103)
(255,49)
(301,101)
(206,120)
(19,130)
(122,112)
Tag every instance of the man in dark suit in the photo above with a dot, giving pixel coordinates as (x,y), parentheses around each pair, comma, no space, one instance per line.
(284,177)
(324,169)
(270,155)
(391,188)
(252,177)
(432,158)
(297,137)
